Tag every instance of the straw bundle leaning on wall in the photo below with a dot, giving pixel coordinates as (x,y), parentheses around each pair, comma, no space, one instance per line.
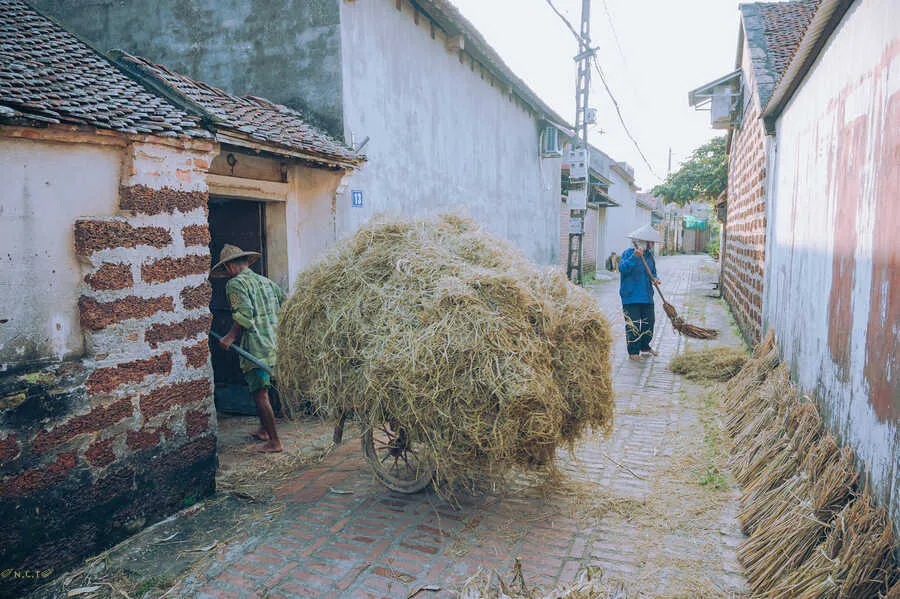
(813,532)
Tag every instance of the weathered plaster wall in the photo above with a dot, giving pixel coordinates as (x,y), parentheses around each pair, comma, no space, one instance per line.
(46,186)
(287,51)
(311,216)
(642,216)
(96,448)
(743,256)
(589,243)
(833,293)
(600,244)
(442,136)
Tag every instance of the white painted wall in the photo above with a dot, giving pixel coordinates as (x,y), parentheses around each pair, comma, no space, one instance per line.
(836,196)
(620,220)
(46,187)
(310,223)
(642,216)
(441,138)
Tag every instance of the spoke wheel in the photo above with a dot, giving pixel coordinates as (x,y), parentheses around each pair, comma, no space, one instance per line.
(399,462)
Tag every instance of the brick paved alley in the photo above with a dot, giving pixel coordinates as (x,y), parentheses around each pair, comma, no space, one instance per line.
(651,505)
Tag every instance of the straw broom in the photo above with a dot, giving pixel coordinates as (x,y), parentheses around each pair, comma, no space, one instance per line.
(686,329)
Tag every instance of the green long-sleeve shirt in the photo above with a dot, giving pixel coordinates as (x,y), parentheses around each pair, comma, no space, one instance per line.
(255,301)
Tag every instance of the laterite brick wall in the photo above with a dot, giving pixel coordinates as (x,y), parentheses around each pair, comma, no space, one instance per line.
(95,449)
(743,257)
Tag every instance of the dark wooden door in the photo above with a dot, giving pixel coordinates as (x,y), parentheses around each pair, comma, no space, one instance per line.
(240,223)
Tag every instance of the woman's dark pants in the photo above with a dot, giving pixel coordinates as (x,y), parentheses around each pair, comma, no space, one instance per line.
(639,321)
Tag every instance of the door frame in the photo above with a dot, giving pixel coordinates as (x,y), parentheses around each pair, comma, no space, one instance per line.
(271,196)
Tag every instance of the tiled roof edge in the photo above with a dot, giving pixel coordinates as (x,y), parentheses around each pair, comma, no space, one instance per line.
(133,69)
(755,34)
(823,23)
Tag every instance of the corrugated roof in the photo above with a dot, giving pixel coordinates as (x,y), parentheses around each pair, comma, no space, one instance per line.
(248,116)
(47,74)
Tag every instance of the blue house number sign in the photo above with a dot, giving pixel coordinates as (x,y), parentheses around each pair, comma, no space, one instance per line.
(356,198)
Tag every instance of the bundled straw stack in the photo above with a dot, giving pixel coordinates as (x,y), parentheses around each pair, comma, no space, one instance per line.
(453,334)
(813,533)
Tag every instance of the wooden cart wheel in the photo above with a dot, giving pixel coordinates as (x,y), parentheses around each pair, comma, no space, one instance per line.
(399,462)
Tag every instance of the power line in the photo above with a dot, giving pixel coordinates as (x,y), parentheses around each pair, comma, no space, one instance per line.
(606,87)
(622,119)
(615,34)
(566,21)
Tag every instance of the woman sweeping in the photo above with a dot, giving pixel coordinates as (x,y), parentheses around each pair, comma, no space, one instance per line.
(636,291)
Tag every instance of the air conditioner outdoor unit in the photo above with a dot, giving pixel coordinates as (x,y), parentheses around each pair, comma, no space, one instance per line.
(551,147)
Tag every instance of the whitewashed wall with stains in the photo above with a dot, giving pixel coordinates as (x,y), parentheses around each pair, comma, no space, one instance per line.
(833,255)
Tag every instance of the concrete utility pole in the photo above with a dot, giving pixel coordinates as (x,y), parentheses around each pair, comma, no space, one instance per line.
(579,165)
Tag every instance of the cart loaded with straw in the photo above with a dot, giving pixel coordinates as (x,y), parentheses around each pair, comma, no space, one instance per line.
(460,358)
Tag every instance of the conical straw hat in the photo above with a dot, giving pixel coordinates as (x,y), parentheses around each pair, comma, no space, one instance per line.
(646,233)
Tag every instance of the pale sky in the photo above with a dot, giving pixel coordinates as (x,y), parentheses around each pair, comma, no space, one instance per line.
(668,47)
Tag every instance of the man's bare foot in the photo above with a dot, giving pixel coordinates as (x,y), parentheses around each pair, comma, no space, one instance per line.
(650,352)
(270,447)
(634,357)
(260,434)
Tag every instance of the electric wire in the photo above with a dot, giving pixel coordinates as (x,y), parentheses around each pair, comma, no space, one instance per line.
(607,88)
(566,21)
(615,34)
(622,119)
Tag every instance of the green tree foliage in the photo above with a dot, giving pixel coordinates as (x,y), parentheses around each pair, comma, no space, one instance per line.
(703,176)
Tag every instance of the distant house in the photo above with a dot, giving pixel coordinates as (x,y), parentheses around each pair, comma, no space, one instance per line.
(445,124)
(614,210)
(643,211)
(117,180)
(813,204)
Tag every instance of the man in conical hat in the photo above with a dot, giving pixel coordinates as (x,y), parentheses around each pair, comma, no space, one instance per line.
(255,301)
(636,291)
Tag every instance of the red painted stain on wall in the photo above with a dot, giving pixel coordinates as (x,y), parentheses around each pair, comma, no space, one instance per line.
(849,176)
(882,366)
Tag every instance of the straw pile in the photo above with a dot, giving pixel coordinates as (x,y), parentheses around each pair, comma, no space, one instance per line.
(487,360)
(711,364)
(813,533)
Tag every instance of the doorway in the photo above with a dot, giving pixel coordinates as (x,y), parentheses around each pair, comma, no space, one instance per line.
(241,223)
